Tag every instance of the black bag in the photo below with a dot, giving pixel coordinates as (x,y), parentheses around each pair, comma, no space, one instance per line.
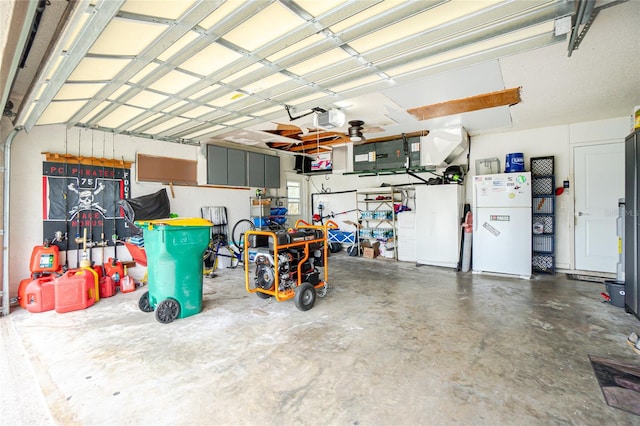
(146,207)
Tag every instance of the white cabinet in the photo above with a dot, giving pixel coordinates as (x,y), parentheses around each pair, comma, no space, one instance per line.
(406,236)
(439,211)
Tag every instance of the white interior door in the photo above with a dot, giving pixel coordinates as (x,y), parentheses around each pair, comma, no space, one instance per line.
(599,183)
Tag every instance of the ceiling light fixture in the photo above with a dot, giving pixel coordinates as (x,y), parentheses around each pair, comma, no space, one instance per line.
(355,130)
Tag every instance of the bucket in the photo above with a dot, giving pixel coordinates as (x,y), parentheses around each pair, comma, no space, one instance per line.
(514,162)
(616,292)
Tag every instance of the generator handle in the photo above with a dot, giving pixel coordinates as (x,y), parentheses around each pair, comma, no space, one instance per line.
(331,225)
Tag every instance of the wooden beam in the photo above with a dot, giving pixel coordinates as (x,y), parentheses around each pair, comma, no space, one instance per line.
(313,137)
(473,103)
(307,147)
(396,137)
(87,161)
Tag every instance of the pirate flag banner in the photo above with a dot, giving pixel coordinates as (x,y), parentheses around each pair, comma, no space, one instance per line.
(78,197)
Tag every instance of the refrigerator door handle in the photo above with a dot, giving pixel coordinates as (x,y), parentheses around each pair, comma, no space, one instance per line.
(475,209)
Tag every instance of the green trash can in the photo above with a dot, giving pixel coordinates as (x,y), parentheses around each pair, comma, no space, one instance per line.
(174,249)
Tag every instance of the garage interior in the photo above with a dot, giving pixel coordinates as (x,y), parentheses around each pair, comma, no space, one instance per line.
(158,96)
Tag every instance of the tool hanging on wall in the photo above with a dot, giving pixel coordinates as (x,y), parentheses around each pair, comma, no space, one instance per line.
(103,242)
(114,236)
(91,239)
(78,239)
(65,194)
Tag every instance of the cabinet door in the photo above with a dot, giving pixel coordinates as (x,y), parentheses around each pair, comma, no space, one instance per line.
(364,157)
(390,155)
(237,167)
(217,165)
(256,169)
(271,171)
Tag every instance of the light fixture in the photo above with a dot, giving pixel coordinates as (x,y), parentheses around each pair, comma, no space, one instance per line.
(355,130)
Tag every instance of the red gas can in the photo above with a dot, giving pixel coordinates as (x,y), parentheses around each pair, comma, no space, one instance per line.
(21,292)
(99,270)
(39,294)
(111,267)
(107,287)
(75,290)
(45,259)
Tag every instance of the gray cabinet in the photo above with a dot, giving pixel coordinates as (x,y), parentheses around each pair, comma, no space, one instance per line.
(264,170)
(256,169)
(226,166)
(235,167)
(271,171)
(217,165)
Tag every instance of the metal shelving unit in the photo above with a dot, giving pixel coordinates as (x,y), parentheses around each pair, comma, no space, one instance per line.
(377,215)
(543,214)
(261,211)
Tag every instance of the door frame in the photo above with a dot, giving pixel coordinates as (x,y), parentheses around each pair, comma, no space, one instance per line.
(572,204)
(304,191)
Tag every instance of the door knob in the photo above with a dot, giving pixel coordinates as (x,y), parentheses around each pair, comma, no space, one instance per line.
(583,214)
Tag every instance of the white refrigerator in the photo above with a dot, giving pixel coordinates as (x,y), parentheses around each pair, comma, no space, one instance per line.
(438,230)
(502,224)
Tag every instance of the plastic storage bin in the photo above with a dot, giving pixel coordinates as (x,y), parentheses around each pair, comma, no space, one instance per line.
(174,249)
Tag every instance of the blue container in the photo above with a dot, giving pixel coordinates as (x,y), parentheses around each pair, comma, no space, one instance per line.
(514,162)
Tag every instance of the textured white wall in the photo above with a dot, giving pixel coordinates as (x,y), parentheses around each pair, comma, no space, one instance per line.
(26,184)
(556,141)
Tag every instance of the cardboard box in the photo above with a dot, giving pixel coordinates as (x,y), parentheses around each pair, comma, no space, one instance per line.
(370,248)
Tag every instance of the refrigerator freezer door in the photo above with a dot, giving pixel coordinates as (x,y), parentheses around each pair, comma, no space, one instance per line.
(502,240)
(438,229)
(502,190)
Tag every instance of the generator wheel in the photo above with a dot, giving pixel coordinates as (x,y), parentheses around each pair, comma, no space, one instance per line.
(305,296)
(167,311)
(144,304)
(262,295)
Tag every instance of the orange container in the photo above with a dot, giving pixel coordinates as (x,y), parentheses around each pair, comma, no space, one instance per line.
(21,291)
(39,294)
(99,270)
(138,253)
(112,267)
(75,290)
(107,287)
(126,283)
(45,259)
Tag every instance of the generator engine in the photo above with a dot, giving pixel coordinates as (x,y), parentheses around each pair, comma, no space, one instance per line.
(288,262)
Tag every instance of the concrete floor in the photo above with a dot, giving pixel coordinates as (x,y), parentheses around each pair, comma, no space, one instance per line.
(390,343)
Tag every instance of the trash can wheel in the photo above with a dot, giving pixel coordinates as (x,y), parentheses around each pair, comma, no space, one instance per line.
(305,296)
(167,311)
(144,304)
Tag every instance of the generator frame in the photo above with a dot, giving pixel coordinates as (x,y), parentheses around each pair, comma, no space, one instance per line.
(304,292)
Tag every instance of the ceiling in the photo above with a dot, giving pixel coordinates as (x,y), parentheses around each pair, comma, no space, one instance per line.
(208,71)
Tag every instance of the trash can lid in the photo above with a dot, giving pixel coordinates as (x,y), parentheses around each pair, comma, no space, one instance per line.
(177,221)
